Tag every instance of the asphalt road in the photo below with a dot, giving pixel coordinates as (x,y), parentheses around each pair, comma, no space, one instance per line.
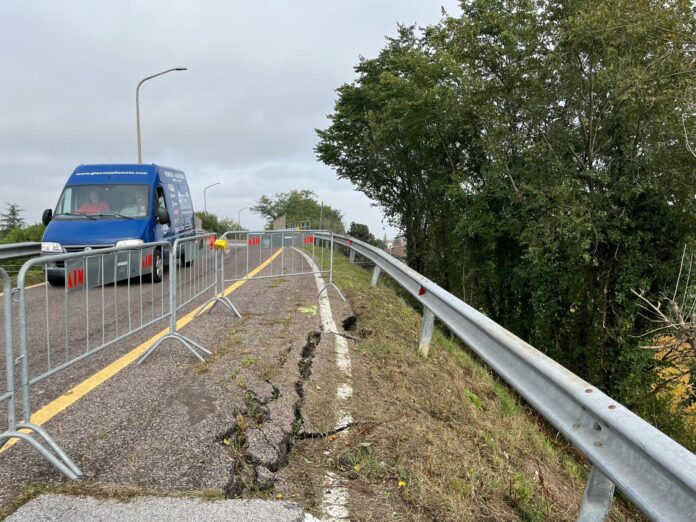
(162,425)
(63,325)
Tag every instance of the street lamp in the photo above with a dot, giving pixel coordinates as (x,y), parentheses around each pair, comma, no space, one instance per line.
(205,204)
(239,216)
(137,103)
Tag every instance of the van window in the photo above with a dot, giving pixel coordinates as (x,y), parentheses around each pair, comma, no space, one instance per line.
(103,202)
(161,202)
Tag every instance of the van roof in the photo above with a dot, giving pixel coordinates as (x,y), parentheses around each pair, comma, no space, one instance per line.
(137,173)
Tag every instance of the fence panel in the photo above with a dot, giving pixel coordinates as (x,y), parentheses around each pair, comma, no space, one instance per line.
(248,251)
(106,295)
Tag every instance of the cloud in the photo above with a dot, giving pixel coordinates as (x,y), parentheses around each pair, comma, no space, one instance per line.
(262,76)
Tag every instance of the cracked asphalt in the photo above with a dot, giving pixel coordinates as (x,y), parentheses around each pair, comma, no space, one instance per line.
(174,424)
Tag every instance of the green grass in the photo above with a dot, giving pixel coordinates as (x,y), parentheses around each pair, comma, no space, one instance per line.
(464,444)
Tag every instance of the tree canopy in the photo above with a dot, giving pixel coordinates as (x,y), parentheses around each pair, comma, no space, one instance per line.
(535,156)
(298,206)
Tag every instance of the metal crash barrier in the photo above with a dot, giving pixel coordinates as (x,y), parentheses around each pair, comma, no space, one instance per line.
(626,452)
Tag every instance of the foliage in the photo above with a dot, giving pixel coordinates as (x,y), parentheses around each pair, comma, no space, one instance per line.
(11,219)
(362,232)
(534,154)
(212,223)
(32,233)
(298,206)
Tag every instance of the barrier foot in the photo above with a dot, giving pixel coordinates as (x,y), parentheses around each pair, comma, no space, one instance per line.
(62,462)
(327,286)
(215,300)
(189,344)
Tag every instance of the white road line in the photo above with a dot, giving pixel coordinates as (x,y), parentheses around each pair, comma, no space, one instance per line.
(334,503)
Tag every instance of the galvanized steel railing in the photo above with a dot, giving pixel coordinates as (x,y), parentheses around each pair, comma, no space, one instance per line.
(16,250)
(651,469)
(93,311)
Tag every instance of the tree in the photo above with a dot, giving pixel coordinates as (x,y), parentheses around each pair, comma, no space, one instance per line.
(298,206)
(361,232)
(212,223)
(535,156)
(11,219)
(24,234)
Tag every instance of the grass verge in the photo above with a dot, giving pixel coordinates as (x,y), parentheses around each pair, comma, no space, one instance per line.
(442,438)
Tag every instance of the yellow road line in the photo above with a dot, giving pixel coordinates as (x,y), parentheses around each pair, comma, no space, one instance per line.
(27,288)
(56,406)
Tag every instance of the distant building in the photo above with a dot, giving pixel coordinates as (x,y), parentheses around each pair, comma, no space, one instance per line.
(397,247)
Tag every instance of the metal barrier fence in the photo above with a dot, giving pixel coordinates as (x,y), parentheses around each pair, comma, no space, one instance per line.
(106,298)
(651,469)
(57,456)
(195,271)
(103,300)
(248,250)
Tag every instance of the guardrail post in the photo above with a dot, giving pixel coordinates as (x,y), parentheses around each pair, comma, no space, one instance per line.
(426,335)
(352,256)
(596,502)
(375,275)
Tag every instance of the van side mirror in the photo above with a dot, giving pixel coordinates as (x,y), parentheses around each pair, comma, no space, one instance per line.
(47,216)
(163,216)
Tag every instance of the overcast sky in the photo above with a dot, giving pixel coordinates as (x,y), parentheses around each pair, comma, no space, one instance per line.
(261,78)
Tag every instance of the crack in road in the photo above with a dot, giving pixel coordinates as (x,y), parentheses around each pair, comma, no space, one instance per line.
(263,433)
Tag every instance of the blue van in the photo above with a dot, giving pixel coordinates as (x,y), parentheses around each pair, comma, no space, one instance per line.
(118,205)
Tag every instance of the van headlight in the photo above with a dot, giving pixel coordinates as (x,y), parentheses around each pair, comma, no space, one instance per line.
(129,242)
(51,248)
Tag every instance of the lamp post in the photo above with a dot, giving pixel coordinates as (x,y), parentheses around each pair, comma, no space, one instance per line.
(137,104)
(239,216)
(205,203)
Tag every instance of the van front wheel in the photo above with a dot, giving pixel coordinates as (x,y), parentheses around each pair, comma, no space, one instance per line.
(157,266)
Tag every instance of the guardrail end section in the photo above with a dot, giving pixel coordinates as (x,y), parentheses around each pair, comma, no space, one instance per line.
(599,494)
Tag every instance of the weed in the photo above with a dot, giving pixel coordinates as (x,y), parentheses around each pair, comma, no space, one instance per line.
(360,462)
(249,361)
(253,409)
(507,402)
(277,282)
(475,400)
(462,487)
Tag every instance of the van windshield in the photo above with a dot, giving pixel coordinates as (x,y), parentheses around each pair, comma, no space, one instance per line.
(104,202)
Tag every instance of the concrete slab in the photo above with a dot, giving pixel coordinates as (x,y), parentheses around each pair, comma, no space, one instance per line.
(165,509)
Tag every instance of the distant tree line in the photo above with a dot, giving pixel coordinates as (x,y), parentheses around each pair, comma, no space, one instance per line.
(362,232)
(13,229)
(212,223)
(537,156)
(298,206)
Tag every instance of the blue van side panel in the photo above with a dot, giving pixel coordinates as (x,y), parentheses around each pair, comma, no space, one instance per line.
(179,203)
